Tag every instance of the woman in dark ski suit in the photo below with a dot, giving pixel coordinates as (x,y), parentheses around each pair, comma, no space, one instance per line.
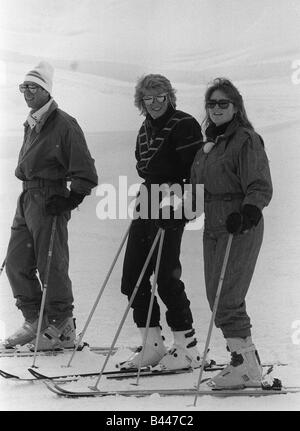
(166,146)
(234,169)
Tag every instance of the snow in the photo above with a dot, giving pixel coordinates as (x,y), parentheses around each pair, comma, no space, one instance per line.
(99,49)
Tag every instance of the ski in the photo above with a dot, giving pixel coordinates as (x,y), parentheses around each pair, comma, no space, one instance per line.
(256,392)
(14,353)
(16,367)
(71,377)
(156,373)
(118,374)
(10,376)
(129,373)
(26,352)
(32,379)
(146,373)
(115,374)
(112,374)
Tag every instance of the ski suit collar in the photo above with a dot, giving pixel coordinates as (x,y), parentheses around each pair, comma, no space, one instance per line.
(216,134)
(53,107)
(158,123)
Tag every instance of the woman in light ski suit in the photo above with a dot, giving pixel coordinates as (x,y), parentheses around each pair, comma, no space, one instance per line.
(234,169)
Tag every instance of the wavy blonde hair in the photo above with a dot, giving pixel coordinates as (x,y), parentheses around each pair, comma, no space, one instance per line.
(153,81)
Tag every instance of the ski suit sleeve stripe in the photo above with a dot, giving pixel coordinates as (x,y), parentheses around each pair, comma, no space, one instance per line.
(137,152)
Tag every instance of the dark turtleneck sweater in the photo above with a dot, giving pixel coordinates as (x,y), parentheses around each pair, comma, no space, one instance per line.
(213,131)
(154,125)
(165,154)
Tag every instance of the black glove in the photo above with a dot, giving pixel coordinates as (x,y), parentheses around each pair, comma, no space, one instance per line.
(57,204)
(171,222)
(243,221)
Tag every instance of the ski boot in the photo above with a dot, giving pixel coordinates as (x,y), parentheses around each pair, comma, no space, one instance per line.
(154,350)
(183,353)
(244,369)
(57,335)
(22,336)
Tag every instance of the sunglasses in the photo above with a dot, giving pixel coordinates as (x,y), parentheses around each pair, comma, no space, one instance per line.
(32,88)
(161,98)
(222,103)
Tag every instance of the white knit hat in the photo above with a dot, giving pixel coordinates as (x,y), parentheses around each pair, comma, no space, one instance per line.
(42,75)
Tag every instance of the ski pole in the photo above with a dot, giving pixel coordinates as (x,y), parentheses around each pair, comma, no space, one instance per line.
(45,285)
(2,266)
(162,234)
(95,387)
(216,303)
(99,296)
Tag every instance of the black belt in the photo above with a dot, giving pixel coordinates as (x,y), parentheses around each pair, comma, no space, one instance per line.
(40,183)
(208,197)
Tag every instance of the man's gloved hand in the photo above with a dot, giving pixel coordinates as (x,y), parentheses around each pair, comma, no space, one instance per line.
(57,204)
(249,216)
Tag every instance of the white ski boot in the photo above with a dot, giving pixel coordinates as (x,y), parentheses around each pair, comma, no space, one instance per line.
(154,350)
(183,353)
(57,336)
(22,336)
(244,369)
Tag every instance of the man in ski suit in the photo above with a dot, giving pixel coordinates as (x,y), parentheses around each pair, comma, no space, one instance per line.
(166,145)
(54,151)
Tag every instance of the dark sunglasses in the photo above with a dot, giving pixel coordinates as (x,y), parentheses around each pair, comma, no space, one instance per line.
(161,98)
(32,88)
(222,103)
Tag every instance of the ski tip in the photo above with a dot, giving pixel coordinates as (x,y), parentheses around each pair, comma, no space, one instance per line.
(50,387)
(36,374)
(7,375)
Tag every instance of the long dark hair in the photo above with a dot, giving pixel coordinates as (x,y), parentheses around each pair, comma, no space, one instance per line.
(234,95)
